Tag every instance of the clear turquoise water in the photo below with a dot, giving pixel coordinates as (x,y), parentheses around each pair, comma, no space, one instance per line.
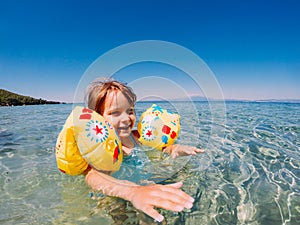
(250,173)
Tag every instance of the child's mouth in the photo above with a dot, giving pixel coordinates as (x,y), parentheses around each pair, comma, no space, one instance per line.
(124,128)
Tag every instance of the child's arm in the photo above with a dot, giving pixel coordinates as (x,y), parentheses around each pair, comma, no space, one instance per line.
(175,150)
(144,198)
(181,150)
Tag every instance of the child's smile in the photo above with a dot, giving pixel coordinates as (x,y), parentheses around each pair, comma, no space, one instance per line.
(119,113)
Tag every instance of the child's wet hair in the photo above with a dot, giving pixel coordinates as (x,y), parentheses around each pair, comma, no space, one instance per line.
(98,89)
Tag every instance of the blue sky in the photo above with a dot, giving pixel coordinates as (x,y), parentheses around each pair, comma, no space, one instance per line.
(252,47)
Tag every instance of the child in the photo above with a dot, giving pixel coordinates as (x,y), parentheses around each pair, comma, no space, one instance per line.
(115,102)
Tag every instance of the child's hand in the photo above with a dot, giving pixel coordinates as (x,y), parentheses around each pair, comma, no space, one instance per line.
(144,198)
(182,150)
(168,197)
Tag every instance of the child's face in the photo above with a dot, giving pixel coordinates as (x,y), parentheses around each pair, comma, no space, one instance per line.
(119,113)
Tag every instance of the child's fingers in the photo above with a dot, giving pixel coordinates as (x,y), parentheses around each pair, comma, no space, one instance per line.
(174,155)
(154,214)
(175,185)
(198,150)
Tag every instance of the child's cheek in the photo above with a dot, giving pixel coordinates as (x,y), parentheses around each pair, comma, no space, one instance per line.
(111,120)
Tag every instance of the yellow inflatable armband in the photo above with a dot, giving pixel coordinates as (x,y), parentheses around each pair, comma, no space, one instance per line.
(158,127)
(88,139)
(68,157)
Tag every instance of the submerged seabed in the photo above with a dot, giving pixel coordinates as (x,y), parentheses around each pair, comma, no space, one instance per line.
(250,173)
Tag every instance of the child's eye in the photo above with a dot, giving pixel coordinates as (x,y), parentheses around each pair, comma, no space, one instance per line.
(114,113)
(131,111)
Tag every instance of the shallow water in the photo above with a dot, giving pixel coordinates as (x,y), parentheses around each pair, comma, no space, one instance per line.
(249,174)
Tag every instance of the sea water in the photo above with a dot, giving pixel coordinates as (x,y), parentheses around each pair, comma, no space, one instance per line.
(249,173)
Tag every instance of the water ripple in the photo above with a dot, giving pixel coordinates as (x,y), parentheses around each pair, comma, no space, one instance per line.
(249,174)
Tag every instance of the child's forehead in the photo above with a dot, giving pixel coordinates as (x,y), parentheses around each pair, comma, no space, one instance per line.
(116,99)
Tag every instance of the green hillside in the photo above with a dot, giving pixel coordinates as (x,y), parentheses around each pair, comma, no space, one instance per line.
(8,98)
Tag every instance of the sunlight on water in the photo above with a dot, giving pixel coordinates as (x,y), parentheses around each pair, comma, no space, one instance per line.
(250,174)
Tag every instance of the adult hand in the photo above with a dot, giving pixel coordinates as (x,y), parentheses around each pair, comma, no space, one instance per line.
(168,197)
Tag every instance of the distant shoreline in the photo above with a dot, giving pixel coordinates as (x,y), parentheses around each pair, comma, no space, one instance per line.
(48,103)
(8,98)
(157,102)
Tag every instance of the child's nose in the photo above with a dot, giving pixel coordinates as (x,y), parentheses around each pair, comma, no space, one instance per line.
(125,117)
